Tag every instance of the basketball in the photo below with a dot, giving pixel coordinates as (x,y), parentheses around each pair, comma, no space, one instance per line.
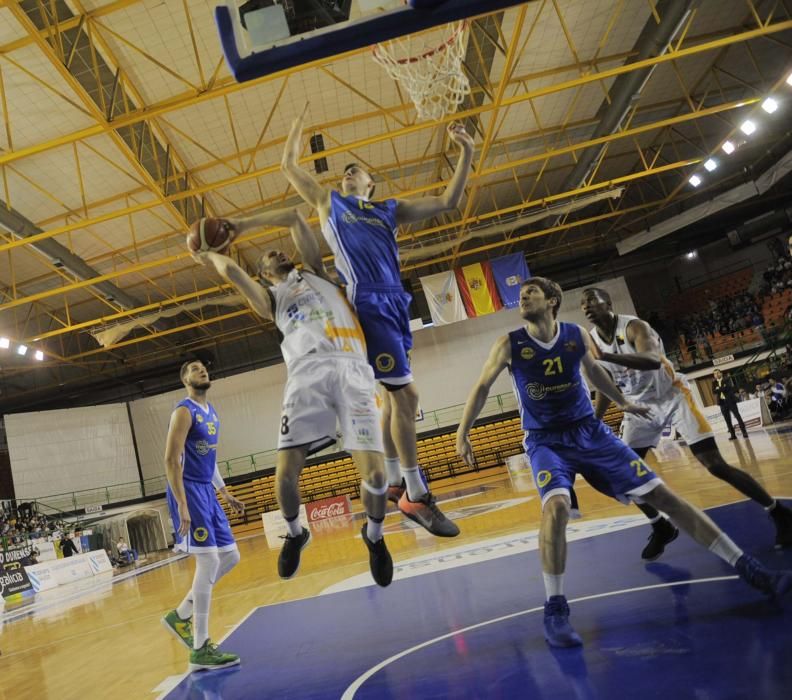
(209,235)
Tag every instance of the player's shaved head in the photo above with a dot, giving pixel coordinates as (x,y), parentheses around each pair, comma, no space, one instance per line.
(600,292)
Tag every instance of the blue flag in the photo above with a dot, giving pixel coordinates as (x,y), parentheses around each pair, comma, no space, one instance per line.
(510,271)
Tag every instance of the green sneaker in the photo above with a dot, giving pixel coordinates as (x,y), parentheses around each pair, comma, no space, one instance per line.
(181,629)
(210,658)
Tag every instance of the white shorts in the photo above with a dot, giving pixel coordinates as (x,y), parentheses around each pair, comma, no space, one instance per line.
(678,409)
(326,389)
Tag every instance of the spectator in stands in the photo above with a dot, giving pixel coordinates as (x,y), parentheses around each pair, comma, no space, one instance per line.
(778,397)
(758,392)
(725,394)
(125,552)
(742,395)
(67,546)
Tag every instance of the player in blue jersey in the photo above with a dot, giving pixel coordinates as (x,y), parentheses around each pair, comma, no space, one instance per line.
(362,236)
(563,438)
(199,523)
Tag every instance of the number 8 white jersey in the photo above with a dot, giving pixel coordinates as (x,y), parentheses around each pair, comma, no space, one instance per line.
(315,318)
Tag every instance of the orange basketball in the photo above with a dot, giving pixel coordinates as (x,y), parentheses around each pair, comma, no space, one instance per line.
(209,235)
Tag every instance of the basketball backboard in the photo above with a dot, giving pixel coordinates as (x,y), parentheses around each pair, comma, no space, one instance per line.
(261,37)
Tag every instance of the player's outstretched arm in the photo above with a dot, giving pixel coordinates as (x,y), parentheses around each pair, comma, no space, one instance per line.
(648,351)
(307,185)
(307,245)
(409,210)
(601,405)
(174,446)
(498,360)
(254,293)
(601,380)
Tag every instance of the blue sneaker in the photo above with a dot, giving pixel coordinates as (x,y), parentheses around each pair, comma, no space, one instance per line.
(558,631)
(773,583)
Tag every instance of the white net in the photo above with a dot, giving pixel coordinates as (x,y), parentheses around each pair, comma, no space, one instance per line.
(431,74)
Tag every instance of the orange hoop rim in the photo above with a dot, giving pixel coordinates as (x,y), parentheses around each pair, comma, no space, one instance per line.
(431,52)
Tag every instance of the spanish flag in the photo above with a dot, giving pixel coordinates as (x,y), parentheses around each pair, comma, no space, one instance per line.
(478,289)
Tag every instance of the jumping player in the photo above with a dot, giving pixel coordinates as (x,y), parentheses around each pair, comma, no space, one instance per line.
(362,235)
(329,381)
(564,438)
(200,525)
(633,353)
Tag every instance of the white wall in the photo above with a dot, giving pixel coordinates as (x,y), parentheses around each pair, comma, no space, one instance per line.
(446,362)
(248,406)
(55,452)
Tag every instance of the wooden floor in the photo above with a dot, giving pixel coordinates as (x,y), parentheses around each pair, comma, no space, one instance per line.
(109,643)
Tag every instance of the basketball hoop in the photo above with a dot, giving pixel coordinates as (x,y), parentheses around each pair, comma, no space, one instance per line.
(433,76)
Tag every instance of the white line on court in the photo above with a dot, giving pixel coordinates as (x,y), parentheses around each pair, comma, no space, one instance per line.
(349,693)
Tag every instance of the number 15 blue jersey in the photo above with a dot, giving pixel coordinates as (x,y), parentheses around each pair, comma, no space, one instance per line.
(551,392)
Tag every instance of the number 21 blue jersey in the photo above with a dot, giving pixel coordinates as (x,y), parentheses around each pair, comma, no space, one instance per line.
(551,392)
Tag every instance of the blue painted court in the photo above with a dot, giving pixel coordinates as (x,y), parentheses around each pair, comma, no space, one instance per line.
(682,627)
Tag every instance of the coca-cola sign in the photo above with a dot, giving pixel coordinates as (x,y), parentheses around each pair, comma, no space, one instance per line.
(328,508)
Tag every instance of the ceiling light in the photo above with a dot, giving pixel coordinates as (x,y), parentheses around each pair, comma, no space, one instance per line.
(710,165)
(747,127)
(4,342)
(692,255)
(695,180)
(728,147)
(39,355)
(22,349)
(789,79)
(769,105)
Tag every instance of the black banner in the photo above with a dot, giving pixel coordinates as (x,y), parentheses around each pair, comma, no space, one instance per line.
(13,579)
(19,554)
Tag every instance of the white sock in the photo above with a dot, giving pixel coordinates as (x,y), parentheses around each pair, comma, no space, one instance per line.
(393,470)
(206,565)
(228,560)
(772,506)
(416,489)
(294,526)
(656,519)
(724,548)
(554,584)
(374,529)
(185,609)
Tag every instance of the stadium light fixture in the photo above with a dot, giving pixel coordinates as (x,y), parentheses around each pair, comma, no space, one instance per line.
(22,350)
(691,255)
(710,165)
(695,180)
(5,343)
(789,79)
(769,105)
(39,355)
(747,127)
(728,147)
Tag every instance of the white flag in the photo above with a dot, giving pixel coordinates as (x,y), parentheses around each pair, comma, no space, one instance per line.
(445,301)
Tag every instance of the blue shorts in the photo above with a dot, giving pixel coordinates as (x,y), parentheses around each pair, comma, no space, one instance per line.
(385,319)
(209,528)
(590,449)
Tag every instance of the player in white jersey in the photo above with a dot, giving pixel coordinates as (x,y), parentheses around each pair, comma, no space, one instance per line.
(329,381)
(633,353)
(362,234)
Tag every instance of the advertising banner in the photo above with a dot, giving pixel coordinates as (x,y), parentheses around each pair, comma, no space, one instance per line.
(754,413)
(14,581)
(328,508)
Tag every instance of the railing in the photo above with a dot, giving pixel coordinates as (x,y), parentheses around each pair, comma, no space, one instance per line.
(64,522)
(250,464)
